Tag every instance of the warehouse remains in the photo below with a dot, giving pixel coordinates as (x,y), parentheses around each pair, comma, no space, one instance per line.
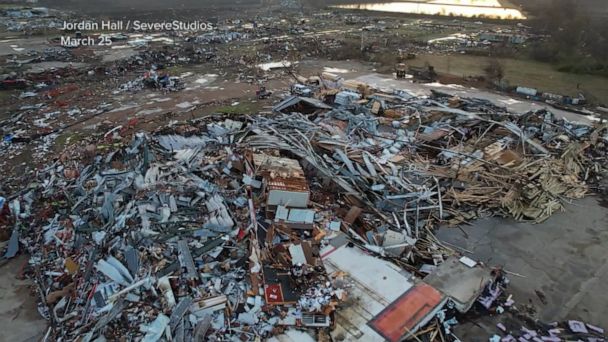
(252,226)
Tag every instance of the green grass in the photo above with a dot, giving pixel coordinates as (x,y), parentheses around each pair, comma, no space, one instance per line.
(522,72)
(66,139)
(177,70)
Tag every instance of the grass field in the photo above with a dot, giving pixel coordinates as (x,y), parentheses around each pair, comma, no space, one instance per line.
(522,72)
(240,108)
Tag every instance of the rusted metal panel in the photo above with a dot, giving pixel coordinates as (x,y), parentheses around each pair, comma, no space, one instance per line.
(408,312)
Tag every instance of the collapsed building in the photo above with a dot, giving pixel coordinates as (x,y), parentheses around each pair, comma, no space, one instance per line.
(314,223)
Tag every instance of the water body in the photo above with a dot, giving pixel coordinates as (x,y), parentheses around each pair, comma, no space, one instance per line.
(460,8)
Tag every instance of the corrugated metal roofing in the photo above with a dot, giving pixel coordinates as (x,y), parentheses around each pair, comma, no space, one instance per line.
(301,215)
(375,284)
(271,163)
(408,313)
(294,100)
(294,184)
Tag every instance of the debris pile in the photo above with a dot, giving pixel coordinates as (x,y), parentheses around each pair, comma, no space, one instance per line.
(244,228)
(552,332)
(315,220)
(160,232)
(152,79)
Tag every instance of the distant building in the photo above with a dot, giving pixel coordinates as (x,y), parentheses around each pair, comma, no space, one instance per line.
(495,37)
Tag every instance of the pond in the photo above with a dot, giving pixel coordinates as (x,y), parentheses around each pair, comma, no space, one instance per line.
(460,8)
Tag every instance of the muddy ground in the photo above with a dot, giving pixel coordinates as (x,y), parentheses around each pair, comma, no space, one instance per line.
(19,318)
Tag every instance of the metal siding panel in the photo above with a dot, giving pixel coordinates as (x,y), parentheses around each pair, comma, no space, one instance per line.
(288,198)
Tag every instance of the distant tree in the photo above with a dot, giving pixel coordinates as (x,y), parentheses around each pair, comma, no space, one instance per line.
(596,39)
(494,70)
(567,24)
(578,36)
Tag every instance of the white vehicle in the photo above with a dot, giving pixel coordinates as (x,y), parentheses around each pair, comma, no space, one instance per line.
(301,90)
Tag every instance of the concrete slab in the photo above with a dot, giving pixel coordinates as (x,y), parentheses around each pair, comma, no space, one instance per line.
(514,105)
(463,284)
(564,258)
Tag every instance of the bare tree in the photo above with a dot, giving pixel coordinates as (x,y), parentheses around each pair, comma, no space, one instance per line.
(494,70)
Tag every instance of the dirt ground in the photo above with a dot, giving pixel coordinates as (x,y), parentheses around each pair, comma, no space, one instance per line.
(19,318)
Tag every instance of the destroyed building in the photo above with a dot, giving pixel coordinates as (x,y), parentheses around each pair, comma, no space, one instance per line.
(310,218)
(251,227)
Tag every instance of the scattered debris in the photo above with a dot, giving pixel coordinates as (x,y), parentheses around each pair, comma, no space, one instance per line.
(239,228)
(314,220)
